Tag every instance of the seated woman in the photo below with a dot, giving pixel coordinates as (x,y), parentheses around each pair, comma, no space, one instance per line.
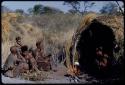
(11,63)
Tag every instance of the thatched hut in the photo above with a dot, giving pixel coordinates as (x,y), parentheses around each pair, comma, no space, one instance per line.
(103,32)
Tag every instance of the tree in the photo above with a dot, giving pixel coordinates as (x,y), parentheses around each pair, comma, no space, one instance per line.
(40,9)
(109,8)
(36,10)
(72,11)
(19,11)
(50,10)
(30,10)
(74,4)
(87,4)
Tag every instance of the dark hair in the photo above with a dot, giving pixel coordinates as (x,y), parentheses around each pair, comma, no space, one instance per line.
(18,38)
(12,49)
(30,49)
(100,48)
(38,43)
(24,48)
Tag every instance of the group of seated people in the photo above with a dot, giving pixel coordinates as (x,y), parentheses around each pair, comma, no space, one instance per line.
(23,60)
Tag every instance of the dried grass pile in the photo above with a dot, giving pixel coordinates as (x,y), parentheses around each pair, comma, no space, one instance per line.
(34,76)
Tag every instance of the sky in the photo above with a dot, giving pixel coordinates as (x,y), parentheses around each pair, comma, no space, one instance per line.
(25,5)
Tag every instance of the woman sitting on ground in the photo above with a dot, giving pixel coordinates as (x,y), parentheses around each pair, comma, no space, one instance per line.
(11,63)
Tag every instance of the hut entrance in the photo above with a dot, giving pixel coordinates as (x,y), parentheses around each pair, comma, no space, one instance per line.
(95,47)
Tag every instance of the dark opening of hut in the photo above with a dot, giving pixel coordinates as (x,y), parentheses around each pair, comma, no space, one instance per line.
(95,48)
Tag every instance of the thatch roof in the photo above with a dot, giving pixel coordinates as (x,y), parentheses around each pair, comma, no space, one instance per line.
(116,23)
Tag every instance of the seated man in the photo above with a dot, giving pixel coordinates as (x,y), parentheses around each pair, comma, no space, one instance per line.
(30,63)
(11,63)
(43,61)
(39,51)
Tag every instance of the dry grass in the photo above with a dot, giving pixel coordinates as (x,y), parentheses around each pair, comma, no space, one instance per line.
(55,29)
(5,50)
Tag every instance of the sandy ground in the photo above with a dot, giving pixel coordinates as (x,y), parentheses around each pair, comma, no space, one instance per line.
(7,80)
(53,77)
